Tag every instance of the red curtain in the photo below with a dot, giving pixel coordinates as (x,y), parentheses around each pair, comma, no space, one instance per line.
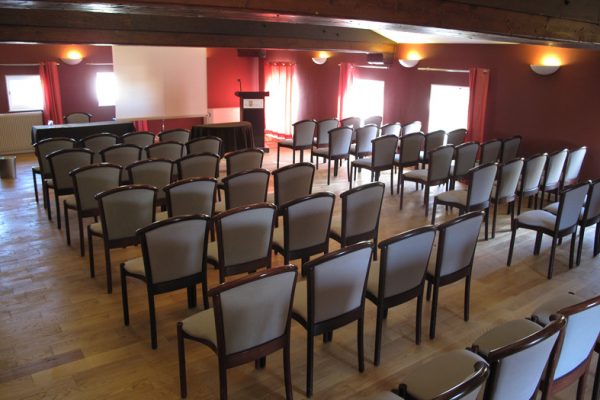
(345,83)
(479,79)
(141,125)
(51,87)
(280,105)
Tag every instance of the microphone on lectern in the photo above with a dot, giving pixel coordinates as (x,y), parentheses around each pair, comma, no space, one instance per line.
(240,82)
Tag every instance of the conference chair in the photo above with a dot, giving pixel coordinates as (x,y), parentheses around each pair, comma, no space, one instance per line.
(510,149)
(338,149)
(250,320)
(140,138)
(399,277)
(244,237)
(173,257)
(456,137)
(205,144)
(411,127)
(454,260)
(87,182)
(555,226)
(174,135)
(393,128)
(171,151)
(364,136)
(465,157)
(302,139)
(321,138)
(433,140)
(533,169)
(244,188)
(292,182)
(375,120)
(41,150)
(409,153)
(190,196)
(243,160)
(332,296)
(382,159)
(490,151)
(154,172)
(573,166)
(552,174)
(123,211)
(77,118)
(505,190)
(351,122)
(198,165)
(122,155)
(99,142)
(596,389)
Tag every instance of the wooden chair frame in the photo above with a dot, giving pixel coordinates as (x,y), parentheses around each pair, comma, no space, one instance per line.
(509,200)
(295,146)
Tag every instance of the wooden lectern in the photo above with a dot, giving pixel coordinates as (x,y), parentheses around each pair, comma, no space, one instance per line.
(252,109)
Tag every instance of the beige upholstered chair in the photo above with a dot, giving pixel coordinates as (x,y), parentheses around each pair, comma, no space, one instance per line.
(175,135)
(154,172)
(364,136)
(571,360)
(490,151)
(393,128)
(531,179)
(454,260)
(332,296)
(382,159)
(322,133)
(552,174)
(139,138)
(457,374)
(122,155)
(476,197)
(433,140)
(555,226)
(42,149)
(243,160)
(409,153)
(338,149)
(306,227)
(292,182)
(205,144)
(173,257)
(573,166)
(244,188)
(123,211)
(375,120)
(244,237)
(517,352)
(456,137)
(361,208)
(505,190)
(465,156)
(250,320)
(61,163)
(302,139)
(510,149)
(87,182)
(437,173)
(411,127)
(77,118)
(99,142)
(400,277)
(198,165)
(191,196)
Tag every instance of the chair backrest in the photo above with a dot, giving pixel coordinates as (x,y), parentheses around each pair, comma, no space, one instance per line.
(122,155)
(193,165)
(554,168)
(352,122)
(569,206)
(532,172)
(91,180)
(307,221)
(517,367)
(205,144)
(323,128)
(490,151)
(340,140)
(573,166)
(393,128)
(64,161)
(466,156)
(166,150)
(384,150)
(457,243)
(154,172)
(440,161)
(434,139)
(481,184)
(375,120)
(592,204)
(411,127)
(337,282)
(404,260)
(191,196)
(508,178)
(175,248)
(304,132)
(361,208)
(126,209)
(47,146)
(364,136)
(99,142)
(246,187)
(456,137)
(174,135)
(243,160)
(254,310)
(410,148)
(139,138)
(293,182)
(510,149)
(77,118)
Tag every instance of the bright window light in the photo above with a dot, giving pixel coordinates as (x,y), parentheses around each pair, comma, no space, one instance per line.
(448,107)
(365,98)
(106,88)
(24,92)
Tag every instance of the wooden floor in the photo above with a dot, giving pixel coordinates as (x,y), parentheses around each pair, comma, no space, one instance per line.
(62,336)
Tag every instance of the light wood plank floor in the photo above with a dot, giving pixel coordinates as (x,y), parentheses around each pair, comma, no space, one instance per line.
(62,336)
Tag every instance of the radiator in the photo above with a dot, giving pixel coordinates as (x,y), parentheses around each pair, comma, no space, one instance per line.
(15,131)
(223,114)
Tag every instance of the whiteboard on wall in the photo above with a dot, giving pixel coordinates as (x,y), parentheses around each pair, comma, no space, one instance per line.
(160,82)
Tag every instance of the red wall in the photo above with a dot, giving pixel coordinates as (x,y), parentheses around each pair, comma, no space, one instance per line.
(223,68)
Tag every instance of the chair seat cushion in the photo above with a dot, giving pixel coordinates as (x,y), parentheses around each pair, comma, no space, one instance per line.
(419,174)
(212,252)
(49,182)
(135,266)
(373,280)
(555,304)
(537,218)
(363,162)
(505,334)
(286,142)
(161,216)
(71,202)
(321,151)
(453,197)
(300,305)
(36,170)
(202,326)
(96,228)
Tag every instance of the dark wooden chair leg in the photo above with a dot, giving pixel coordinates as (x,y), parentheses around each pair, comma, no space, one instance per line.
(538,243)
(419,321)
(309,364)
(125,300)
(67,225)
(552,253)
(91,251)
(57,204)
(287,372)
(278,150)
(181,353)
(108,268)
(222,382)
(512,245)
(378,332)
(433,312)
(580,244)
(81,240)
(35,189)
(572,249)
(494,215)
(205,294)
(361,348)
(191,295)
(467,297)
(152,312)
(433,210)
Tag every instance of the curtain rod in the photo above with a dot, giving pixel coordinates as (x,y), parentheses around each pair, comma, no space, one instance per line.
(369,66)
(20,65)
(459,71)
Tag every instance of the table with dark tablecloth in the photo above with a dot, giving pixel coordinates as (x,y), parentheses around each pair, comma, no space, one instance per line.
(235,135)
(79,131)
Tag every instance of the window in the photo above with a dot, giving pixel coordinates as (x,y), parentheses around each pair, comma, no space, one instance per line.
(366,98)
(106,88)
(24,92)
(448,107)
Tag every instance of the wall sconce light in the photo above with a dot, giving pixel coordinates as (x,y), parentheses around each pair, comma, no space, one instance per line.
(408,63)
(412,59)
(549,65)
(321,58)
(73,57)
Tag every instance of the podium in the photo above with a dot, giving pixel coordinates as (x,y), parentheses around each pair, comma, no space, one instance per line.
(252,109)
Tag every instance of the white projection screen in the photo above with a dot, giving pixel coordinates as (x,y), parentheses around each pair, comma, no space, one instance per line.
(160,82)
